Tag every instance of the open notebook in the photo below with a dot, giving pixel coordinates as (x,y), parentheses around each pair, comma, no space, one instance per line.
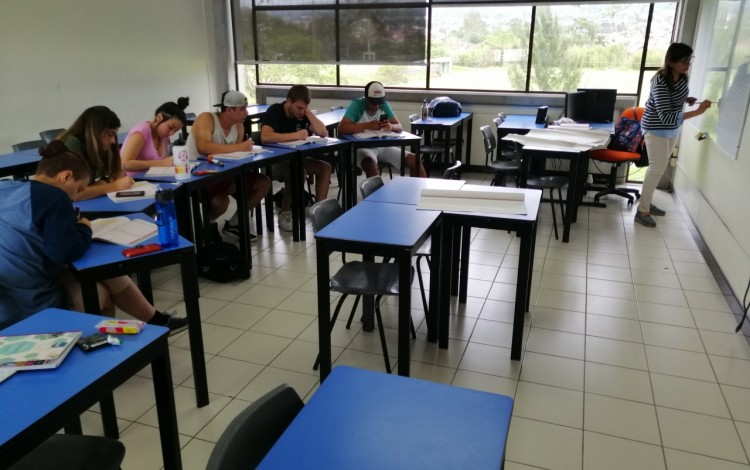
(473,199)
(122,231)
(240,155)
(372,134)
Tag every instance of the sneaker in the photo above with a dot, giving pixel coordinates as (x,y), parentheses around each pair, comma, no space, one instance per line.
(168,319)
(285,221)
(645,219)
(235,230)
(656,211)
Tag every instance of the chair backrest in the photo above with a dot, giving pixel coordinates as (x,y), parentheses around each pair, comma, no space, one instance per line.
(50,134)
(452,172)
(370,185)
(488,138)
(324,212)
(251,434)
(29,144)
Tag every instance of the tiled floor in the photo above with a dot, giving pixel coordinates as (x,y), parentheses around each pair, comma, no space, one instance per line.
(630,356)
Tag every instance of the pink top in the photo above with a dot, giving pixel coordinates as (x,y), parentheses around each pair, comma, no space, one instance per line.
(148,152)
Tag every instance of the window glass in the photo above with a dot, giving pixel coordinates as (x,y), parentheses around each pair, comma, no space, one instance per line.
(296,36)
(243,29)
(292,74)
(386,36)
(402,76)
(660,36)
(476,47)
(588,46)
(246,81)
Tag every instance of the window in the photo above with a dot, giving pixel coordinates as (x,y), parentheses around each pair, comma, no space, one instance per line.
(491,45)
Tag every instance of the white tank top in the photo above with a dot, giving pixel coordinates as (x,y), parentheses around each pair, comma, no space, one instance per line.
(217,137)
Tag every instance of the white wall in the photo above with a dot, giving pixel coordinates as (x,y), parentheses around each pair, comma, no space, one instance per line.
(59,57)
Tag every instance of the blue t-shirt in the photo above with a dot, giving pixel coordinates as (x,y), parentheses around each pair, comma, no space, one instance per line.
(39,234)
(356,112)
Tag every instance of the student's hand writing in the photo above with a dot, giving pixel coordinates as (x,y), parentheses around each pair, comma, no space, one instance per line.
(126,182)
(301,134)
(690,100)
(246,145)
(84,221)
(166,162)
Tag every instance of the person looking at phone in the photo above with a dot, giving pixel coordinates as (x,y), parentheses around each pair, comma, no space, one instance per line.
(662,120)
(294,120)
(94,136)
(372,112)
(224,132)
(41,232)
(147,143)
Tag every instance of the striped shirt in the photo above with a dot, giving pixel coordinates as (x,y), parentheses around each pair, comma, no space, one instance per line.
(664,106)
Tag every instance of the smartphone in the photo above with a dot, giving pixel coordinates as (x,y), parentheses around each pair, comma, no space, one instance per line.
(383,117)
(95,341)
(130,193)
(140,250)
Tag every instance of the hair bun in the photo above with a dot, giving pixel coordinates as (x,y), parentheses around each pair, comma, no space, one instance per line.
(183,102)
(56,147)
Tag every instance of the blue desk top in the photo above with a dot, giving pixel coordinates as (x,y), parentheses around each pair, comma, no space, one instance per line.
(442,121)
(9,160)
(398,225)
(361,419)
(408,190)
(103,203)
(141,175)
(27,396)
(101,253)
(257,110)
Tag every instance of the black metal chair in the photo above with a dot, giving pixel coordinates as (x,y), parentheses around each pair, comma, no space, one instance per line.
(50,135)
(73,452)
(544,182)
(502,166)
(453,172)
(432,152)
(28,145)
(251,434)
(358,277)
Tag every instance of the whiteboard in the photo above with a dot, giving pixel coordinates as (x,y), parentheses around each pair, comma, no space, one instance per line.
(723,46)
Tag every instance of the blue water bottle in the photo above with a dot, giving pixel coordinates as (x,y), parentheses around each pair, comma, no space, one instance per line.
(166,218)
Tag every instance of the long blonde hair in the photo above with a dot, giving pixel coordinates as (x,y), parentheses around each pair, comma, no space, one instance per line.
(87,128)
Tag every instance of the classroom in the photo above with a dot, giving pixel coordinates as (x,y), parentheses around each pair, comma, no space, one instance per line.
(629,355)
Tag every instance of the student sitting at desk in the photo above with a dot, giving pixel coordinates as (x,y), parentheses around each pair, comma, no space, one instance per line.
(94,135)
(286,122)
(147,143)
(224,132)
(41,233)
(364,114)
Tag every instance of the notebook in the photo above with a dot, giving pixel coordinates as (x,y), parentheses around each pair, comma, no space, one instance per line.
(122,231)
(37,351)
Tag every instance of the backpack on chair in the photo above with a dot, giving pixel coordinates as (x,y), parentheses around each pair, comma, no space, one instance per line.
(628,138)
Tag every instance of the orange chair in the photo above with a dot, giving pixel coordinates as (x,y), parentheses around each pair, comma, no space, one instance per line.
(617,158)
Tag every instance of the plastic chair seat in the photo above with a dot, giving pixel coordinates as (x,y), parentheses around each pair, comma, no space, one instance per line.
(365,278)
(614,156)
(74,452)
(546,182)
(500,165)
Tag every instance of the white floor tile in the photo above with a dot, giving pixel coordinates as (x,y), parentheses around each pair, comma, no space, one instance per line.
(613,453)
(621,418)
(618,382)
(561,449)
(549,404)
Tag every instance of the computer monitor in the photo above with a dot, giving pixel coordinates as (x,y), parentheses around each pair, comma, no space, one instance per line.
(575,106)
(599,104)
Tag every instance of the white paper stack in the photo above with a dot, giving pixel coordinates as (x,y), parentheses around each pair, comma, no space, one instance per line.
(473,200)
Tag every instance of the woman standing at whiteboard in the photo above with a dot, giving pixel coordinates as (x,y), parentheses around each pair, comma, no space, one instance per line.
(662,120)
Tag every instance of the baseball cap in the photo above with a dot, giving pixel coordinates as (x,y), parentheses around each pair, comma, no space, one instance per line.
(232,99)
(375,93)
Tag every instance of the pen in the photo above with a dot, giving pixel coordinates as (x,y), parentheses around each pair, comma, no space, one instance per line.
(78,212)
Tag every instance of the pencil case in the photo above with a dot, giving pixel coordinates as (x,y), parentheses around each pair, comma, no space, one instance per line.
(120,327)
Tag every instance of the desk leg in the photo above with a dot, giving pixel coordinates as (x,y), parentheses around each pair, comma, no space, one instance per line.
(324,311)
(404,314)
(90,296)
(469,126)
(144,285)
(74,426)
(184,216)
(269,203)
(523,284)
(463,286)
(455,261)
(445,280)
(195,334)
(459,142)
(243,218)
(352,186)
(165,410)
(403,160)
(436,267)
(571,199)
(531,265)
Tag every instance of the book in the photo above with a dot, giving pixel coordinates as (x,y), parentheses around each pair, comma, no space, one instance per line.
(166,170)
(37,351)
(149,191)
(240,155)
(372,134)
(313,139)
(473,199)
(122,231)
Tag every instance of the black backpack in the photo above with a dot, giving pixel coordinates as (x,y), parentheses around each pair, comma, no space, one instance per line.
(443,106)
(221,261)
